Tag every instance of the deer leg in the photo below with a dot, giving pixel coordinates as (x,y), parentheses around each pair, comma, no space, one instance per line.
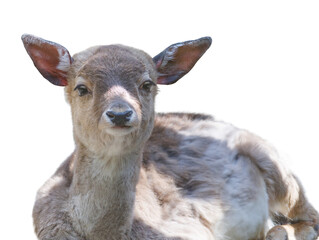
(302,230)
(299,220)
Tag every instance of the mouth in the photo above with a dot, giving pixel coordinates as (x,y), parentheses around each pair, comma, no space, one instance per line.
(120,130)
(121,127)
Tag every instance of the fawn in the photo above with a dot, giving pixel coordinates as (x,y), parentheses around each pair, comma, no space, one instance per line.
(135,174)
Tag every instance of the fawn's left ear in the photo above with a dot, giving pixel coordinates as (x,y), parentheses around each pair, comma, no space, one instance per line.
(178,59)
(51,59)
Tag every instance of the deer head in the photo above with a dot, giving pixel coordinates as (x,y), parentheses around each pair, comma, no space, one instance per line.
(111,89)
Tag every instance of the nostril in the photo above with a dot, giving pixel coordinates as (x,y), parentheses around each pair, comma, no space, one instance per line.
(110,114)
(128,114)
(316,227)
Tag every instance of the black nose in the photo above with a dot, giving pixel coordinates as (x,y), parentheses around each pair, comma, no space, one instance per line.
(119,118)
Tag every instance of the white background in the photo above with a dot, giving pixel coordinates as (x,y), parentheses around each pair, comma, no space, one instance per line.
(261,73)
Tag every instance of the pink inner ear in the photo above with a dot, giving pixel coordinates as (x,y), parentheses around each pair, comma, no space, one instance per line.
(47,63)
(188,57)
(51,59)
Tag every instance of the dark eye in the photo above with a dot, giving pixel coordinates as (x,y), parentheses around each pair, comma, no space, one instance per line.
(147,85)
(82,89)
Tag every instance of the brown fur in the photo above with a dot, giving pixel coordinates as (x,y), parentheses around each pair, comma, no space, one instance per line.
(172,176)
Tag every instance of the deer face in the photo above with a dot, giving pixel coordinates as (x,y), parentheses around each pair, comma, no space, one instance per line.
(111,89)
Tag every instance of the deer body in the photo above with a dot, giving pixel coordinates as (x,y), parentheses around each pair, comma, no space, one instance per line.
(135,174)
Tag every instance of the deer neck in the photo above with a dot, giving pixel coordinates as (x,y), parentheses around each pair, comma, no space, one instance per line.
(102,193)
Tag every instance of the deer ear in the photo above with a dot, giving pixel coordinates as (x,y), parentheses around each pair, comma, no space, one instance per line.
(51,59)
(178,59)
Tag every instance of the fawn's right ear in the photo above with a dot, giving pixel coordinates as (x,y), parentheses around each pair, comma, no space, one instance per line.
(51,59)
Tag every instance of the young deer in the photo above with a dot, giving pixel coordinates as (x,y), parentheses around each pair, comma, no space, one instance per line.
(138,175)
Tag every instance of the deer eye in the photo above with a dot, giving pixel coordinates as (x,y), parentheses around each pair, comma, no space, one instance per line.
(147,85)
(82,90)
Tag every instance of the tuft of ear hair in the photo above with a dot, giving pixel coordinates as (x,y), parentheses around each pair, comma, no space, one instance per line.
(51,59)
(178,59)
